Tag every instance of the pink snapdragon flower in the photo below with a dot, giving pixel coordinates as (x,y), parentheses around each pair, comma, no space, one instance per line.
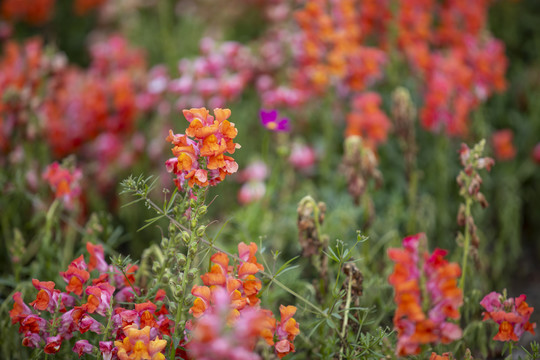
(511,314)
(83,347)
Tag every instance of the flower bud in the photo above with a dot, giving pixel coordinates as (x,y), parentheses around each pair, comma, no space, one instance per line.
(192,274)
(164,242)
(201,230)
(181,259)
(186,237)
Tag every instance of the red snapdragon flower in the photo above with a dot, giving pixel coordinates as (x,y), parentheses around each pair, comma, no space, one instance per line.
(503,146)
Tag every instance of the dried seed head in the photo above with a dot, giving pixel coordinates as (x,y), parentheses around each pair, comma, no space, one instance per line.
(355,277)
(308,235)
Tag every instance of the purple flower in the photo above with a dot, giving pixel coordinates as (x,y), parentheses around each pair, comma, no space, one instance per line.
(269,119)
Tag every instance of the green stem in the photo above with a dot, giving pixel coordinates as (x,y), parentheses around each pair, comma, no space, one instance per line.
(346,316)
(49,224)
(109,322)
(413,190)
(465,245)
(165,27)
(71,235)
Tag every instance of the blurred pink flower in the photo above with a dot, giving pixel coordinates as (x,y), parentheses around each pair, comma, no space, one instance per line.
(302,156)
(251,191)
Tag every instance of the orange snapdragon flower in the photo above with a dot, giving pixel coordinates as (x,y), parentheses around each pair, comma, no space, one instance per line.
(415,324)
(199,155)
(444,356)
(137,345)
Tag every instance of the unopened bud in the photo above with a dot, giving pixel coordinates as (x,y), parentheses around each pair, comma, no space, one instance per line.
(186,237)
(201,230)
(164,242)
(181,259)
(192,274)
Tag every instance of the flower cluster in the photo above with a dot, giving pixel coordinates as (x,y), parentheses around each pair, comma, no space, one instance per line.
(90,301)
(64,183)
(346,45)
(90,113)
(38,12)
(199,155)
(458,80)
(426,295)
(217,76)
(35,12)
(228,299)
(367,120)
(23,70)
(331,47)
(511,314)
(102,99)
